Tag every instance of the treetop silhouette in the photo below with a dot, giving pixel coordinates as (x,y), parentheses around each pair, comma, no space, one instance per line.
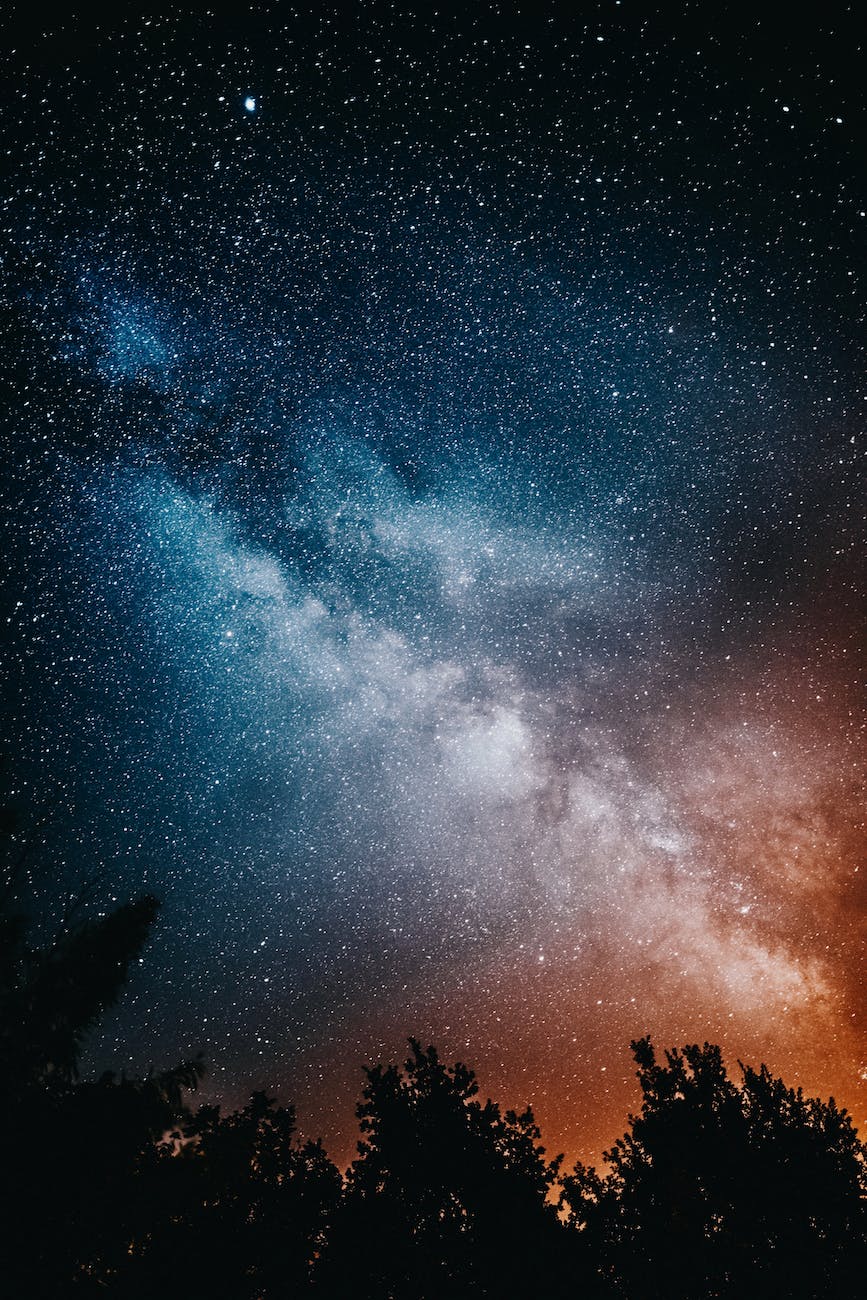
(718,1188)
(748,1188)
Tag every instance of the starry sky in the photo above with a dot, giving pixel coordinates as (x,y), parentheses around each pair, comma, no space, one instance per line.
(433,513)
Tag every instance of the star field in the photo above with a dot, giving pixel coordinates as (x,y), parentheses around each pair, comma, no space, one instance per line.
(435,521)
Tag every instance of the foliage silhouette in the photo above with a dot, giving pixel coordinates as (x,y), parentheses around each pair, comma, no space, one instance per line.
(72,1151)
(717,1189)
(52,997)
(448,1196)
(239,1207)
(725,1190)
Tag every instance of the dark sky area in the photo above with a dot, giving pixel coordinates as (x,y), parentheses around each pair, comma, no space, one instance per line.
(434,535)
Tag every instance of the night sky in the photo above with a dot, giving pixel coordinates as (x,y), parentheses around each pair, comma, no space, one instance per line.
(433,509)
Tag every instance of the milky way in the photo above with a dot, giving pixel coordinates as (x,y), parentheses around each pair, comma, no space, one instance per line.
(435,508)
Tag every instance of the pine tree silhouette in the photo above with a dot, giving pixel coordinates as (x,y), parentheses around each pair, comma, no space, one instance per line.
(73,1152)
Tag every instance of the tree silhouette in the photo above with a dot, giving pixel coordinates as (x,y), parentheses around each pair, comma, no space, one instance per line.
(718,1188)
(241,1208)
(447,1196)
(73,1152)
(725,1190)
(52,997)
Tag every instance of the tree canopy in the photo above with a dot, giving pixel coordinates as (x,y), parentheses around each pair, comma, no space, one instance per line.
(449,1195)
(718,1188)
(725,1189)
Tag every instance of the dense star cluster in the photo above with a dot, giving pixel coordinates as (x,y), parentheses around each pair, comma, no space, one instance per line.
(435,505)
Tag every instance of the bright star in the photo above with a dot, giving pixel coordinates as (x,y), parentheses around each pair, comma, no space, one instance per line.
(250,104)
